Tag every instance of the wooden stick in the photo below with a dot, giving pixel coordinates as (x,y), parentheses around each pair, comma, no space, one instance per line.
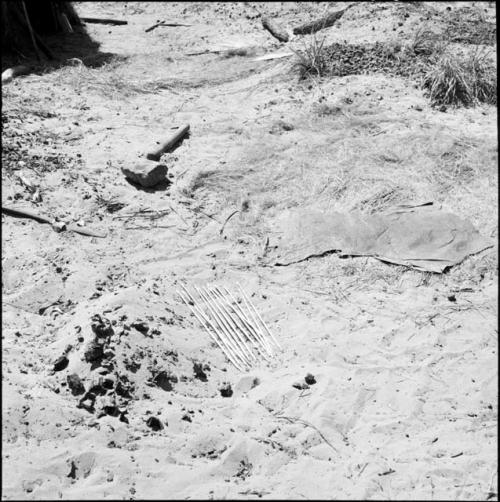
(229,343)
(26,213)
(246,328)
(320,24)
(228,318)
(214,337)
(220,334)
(163,23)
(233,326)
(170,144)
(230,334)
(261,320)
(151,28)
(227,219)
(255,322)
(66,24)
(230,348)
(30,29)
(275,30)
(255,327)
(103,21)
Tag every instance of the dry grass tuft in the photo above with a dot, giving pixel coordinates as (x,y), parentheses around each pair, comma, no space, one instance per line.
(462,81)
(211,179)
(313,60)
(426,42)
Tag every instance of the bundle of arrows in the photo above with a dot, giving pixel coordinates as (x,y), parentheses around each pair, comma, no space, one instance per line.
(235,326)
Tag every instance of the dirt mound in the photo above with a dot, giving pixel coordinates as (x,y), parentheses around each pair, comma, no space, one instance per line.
(391,59)
(116,362)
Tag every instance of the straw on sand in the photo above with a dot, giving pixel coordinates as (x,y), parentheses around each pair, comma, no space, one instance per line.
(236,327)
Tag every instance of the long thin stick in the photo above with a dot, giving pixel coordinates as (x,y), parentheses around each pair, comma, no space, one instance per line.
(255,327)
(233,328)
(214,338)
(230,347)
(247,329)
(233,313)
(221,335)
(234,319)
(224,327)
(205,323)
(255,322)
(252,321)
(228,336)
(261,320)
(30,29)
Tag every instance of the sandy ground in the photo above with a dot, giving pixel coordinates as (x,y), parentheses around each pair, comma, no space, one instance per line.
(405,400)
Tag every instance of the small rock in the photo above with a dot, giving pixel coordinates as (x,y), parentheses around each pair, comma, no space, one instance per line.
(141,326)
(94,352)
(59,226)
(226,390)
(61,363)
(452,298)
(300,385)
(101,327)
(87,404)
(146,173)
(154,423)
(186,418)
(164,380)
(75,384)
(310,379)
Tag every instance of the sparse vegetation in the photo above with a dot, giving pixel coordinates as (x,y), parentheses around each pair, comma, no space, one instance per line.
(462,81)
(314,59)
(448,78)
(426,42)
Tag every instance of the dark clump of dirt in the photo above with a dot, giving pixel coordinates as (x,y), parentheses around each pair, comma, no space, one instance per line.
(101,327)
(199,372)
(94,352)
(75,384)
(164,380)
(226,390)
(309,379)
(140,326)
(61,363)
(155,424)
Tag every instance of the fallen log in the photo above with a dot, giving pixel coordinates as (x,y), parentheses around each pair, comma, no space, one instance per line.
(170,144)
(275,30)
(320,24)
(96,20)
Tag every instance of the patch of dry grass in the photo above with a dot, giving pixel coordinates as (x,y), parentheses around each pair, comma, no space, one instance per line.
(467,81)
(426,42)
(313,59)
